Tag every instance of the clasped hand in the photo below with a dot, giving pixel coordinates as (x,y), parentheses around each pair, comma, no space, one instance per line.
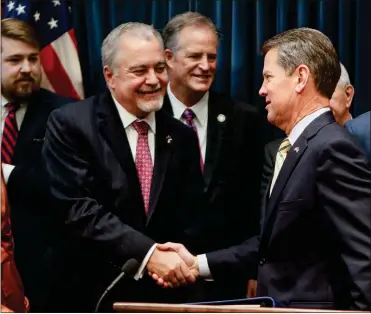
(171,265)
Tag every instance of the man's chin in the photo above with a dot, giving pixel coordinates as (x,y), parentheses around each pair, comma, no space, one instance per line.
(151,106)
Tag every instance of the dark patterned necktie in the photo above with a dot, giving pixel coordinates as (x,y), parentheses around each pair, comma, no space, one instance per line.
(188,115)
(143,161)
(10,134)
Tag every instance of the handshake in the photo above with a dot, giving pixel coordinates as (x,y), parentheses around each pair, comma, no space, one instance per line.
(171,265)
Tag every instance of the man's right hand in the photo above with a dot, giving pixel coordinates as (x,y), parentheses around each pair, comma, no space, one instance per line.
(189,259)
(170,268)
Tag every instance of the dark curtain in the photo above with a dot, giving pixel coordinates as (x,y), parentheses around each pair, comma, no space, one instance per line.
(244,25)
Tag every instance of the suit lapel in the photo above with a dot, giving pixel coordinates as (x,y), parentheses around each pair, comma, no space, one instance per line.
(111,128)
(163,151)
(215,132)
(32,129)
(167,106)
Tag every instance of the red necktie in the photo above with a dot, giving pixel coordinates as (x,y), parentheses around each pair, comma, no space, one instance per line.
(188,115)
(143,161)
(10,134)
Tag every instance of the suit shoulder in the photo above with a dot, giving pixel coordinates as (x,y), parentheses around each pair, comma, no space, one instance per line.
(359,123)
(50,100)
(76,109)
(237,105)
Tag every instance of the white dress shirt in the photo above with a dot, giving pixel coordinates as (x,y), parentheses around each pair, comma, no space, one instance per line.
(293,136)
(19,116)
(200,110)
(127,119)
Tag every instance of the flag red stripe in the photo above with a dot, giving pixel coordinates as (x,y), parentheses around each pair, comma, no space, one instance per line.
(56,73)
(71,32)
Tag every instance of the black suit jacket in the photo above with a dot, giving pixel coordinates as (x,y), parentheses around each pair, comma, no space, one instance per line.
(270,152)
(314,249)
(95,184)
(232,170)
(28,197)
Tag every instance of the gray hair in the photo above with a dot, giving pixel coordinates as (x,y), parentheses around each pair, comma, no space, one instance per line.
(312,48)
(176,24)
(344,77)
(109,45)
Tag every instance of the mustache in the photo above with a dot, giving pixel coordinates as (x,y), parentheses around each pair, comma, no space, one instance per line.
(155,89)
(25,79)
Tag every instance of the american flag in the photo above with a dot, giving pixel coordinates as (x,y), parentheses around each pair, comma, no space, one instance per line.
(52,20)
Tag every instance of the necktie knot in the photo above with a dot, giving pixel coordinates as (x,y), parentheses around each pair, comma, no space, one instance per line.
(12,107)
(188,115)
(285,146)
(141,127)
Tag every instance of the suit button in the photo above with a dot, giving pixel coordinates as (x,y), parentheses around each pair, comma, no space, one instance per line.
(262,261)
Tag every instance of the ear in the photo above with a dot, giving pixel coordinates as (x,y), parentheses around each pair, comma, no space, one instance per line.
(349,91)
(169,57)
(303,74)
(109,76)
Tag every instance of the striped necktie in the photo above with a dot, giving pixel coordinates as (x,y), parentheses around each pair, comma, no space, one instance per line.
(280,158)
(10,134)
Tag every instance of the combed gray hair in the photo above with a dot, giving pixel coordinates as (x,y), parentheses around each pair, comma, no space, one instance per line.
(109,45)
(312,48)
(177,23)
(344,77)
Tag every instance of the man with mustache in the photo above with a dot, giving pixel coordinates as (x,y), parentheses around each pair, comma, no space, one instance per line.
(314,246)
(25,110)
(228,134)
(125,176)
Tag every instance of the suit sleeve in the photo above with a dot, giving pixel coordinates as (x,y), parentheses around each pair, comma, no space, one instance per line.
(344,189)
(68,164)
(236,261)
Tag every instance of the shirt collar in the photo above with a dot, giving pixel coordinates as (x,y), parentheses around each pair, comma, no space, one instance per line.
(303,123)
(127,118)
(4,101)
(199,109)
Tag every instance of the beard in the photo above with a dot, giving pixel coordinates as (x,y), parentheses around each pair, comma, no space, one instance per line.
(21,90)
(151,106)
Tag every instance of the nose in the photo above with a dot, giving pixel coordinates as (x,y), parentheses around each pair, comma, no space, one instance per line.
(152,78)
(204,64)
(262,91)
(26,66)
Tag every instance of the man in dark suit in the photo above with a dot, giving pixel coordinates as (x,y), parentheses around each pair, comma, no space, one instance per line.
(115,166)
(228,132)
(25,110)
(360,128)
(340,103)
(314,247)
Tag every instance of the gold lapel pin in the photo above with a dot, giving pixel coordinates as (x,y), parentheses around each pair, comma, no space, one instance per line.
(296,149)
(169,139)
(221,118)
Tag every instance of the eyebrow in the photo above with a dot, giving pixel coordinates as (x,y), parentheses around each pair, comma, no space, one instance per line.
(21,55)
(265,73)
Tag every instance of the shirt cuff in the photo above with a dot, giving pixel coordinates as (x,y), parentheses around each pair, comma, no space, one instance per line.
(203,266)
(140,271)
(7,170)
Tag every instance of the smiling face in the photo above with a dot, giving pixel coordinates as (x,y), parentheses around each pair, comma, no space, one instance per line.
(192,66)
(139,78)
(21,69)
(278,89)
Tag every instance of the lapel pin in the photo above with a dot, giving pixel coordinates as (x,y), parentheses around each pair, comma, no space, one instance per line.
(221,118)
(296,149)
(169,139)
